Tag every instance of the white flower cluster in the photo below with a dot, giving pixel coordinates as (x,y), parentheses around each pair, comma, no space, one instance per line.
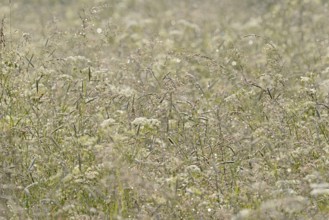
(326,70)
(77,59)
(145,122)
(304,79)
(319,189)
(123,90)
(193,169)
(108,122)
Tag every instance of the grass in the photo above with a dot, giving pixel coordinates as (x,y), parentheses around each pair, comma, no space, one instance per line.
(164,110)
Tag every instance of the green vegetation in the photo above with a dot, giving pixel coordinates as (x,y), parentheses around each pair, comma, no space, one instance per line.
(164,109)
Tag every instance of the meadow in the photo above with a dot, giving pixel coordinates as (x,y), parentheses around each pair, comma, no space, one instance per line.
(164,109)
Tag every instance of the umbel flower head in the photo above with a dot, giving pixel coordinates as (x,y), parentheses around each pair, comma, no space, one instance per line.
(143,122)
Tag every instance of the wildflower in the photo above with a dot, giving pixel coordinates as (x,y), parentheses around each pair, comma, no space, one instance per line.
(77,59)
(193,169)
(107,122)
(91,174)
(99,30)
(319,189)
(234,63)
(243,214)
(145,122)
(140,121)
(288,204)
(154,122)
(177,60)
(189,124)
(304,79)
(122,90)
(312,91)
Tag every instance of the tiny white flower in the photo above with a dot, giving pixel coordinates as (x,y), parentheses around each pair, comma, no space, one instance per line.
(233,63)
(139,121)
(177,60)
(304,78)
(142,121)
(319,189)
(99,30)
(316,192)
(312,91)
(244,213)
(188,124)
(319,185)
(91,174)
(107,122)
(154,122)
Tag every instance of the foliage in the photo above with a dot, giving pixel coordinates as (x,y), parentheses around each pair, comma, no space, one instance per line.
(161,109)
